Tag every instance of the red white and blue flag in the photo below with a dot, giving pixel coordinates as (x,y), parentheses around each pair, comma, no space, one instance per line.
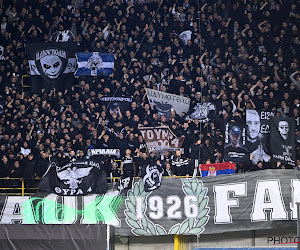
(214,169)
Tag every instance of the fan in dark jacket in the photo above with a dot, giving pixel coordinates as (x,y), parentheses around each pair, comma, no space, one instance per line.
(180,165)
(30,171)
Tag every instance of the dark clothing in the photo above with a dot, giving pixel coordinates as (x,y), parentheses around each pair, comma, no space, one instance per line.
(128,166)
(30,169)
(42,166)
(180,165)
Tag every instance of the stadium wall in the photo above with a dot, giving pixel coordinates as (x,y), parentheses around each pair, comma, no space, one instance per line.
(245,239)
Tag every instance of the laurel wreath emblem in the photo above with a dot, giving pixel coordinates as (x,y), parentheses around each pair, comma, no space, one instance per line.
(145,226)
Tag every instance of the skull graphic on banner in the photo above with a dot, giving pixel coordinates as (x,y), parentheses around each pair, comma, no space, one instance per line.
(51,63)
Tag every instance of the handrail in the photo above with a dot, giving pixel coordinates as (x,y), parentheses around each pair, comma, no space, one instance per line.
(22,188)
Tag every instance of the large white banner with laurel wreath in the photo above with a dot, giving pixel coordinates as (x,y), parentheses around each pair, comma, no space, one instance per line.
(225,203)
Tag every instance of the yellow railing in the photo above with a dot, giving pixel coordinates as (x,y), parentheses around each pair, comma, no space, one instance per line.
(22,188)
(22,81)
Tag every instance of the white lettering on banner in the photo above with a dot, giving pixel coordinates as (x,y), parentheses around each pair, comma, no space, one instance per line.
(265,129)
(295,197)
(156,207)
(266,115)
(48,52)
(223,203)
(120,99)
(190,207)
(176,204)
(138,210)
(92,208)
(51,210)
(157,133)
(226,133)
(143,133)
(268,197)
(166,134)
(105,151)
(14,211)
(155,204)
(150,135)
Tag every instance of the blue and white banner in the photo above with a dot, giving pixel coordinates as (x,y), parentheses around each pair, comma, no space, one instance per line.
(94,64)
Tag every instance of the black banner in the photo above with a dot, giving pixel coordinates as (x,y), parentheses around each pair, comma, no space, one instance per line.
(283,140)
(66,237)
(257,200)
(151,175)
(235,143)
(123,103)
(104,151)
(81,177)
(124,183)
(52,65)
(258,130)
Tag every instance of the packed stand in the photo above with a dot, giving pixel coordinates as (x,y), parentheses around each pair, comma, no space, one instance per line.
(242,55)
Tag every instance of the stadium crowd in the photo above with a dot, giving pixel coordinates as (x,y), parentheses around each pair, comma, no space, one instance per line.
(241,55)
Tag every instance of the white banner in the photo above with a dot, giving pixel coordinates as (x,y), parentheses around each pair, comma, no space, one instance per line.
(164,102)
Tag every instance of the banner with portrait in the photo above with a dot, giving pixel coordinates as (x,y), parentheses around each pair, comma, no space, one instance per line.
(282,142)
(258,132)
(235,149)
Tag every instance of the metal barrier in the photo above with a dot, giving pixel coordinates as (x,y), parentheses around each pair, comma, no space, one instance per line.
(22,188)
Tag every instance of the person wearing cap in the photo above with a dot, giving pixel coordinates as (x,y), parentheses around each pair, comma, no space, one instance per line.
(234,149)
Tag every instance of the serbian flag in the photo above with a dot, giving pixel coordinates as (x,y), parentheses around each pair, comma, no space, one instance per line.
(217,168)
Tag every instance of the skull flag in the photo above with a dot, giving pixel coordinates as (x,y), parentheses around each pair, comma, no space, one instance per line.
(80,177)
(94,64)
(125,183)
(51,61)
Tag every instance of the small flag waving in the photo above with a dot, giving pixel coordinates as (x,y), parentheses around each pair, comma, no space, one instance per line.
(152,175)
(217,169)
(94,64)
(185,36)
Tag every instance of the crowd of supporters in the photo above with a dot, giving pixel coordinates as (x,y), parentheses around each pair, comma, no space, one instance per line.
(242,55)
